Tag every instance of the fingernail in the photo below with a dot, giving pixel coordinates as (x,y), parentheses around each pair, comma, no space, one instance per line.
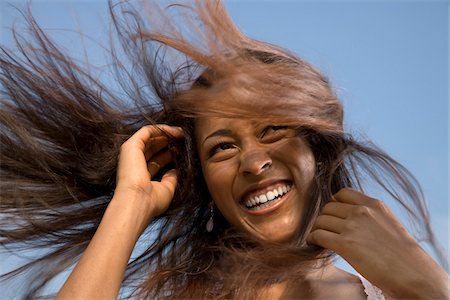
(179,129)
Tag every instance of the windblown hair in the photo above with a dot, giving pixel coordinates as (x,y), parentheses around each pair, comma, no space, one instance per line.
(61,130)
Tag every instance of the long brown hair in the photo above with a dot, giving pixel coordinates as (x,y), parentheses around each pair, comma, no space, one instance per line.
(61,129)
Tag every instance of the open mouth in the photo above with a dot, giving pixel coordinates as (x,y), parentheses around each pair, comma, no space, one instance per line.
(268,198)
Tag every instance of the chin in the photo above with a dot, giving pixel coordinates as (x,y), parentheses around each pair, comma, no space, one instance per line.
(284,239)
(279,236)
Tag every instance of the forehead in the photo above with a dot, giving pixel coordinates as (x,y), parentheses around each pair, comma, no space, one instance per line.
(203,125)
(207,125)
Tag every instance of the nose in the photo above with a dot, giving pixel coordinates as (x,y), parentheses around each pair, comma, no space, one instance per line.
(254,161)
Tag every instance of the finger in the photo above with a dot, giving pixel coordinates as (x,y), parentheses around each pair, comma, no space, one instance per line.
(143,135)
(153,168)
(329,223)
(337,209)
(159,161)
(161,130)
(351,196)
(131,158)
(169,182)
(154,145)
(323,238)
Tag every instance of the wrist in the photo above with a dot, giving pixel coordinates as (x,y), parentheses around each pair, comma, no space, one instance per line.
(131,208)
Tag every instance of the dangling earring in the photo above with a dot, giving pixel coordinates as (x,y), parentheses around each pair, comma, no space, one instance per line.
(210,223)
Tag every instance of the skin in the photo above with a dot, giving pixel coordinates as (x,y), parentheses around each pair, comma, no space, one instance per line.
(365,232)
(240,159)
(360,229)
(136,201)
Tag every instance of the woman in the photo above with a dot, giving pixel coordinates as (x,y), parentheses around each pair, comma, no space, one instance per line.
(240,203)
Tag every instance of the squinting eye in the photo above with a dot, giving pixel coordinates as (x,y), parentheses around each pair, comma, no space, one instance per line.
(221,147)
(273,133)
(275,128)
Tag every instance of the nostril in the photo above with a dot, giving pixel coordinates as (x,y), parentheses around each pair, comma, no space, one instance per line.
(255,162)
(266,165)
(262,167)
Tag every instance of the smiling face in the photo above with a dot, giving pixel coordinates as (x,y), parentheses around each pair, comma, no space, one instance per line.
(258,175)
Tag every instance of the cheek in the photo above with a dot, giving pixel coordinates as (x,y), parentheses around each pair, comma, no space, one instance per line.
(307,167)
(219,178)
(301,160)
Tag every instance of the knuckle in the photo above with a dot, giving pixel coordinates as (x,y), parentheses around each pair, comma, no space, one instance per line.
(348,242)
(344,191)
(327,207)
(319,219)
(313,236)
(317,237)
(378,204)
(351,226)
(362,211)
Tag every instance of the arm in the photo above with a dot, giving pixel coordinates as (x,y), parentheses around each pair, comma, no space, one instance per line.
(136,201)
(367,235)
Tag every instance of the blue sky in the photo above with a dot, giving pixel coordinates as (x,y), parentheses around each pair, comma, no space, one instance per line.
(388,61)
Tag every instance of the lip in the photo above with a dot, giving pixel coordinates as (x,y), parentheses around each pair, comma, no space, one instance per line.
(269,208)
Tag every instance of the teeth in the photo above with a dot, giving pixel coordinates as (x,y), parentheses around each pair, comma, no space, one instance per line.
(263,199)
(275,193)
(260,202)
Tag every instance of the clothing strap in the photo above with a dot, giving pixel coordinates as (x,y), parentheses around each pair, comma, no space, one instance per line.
(372,292)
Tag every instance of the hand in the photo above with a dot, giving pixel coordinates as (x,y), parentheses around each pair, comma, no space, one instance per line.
(142,156)
(137,199)
(364,232)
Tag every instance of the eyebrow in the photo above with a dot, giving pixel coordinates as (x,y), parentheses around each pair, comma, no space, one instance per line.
(217,133)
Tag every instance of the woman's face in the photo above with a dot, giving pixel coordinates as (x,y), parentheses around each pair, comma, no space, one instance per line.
(258,174)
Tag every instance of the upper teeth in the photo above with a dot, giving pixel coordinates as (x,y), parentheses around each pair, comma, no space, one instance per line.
(268,196)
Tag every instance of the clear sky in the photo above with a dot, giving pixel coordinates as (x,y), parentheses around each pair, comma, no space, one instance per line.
(388,62)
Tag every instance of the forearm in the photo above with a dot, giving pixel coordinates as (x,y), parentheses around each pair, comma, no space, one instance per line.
(431,282)
(100,271)
(434,287)
(412,275)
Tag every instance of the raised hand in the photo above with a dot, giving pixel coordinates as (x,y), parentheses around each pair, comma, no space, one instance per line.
(364,232)
(142,156)
(137,199)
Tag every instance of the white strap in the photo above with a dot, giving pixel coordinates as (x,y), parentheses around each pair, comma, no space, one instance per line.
(372,292)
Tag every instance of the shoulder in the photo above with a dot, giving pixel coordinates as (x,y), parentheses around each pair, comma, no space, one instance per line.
(334,283)
(351,286)
(339,284)
(328,283)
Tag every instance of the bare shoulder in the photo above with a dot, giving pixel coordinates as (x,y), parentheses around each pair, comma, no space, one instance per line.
(326,283)
(339,284)
(334,283)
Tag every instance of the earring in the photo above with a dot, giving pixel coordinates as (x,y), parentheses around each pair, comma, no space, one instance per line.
(210,223)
